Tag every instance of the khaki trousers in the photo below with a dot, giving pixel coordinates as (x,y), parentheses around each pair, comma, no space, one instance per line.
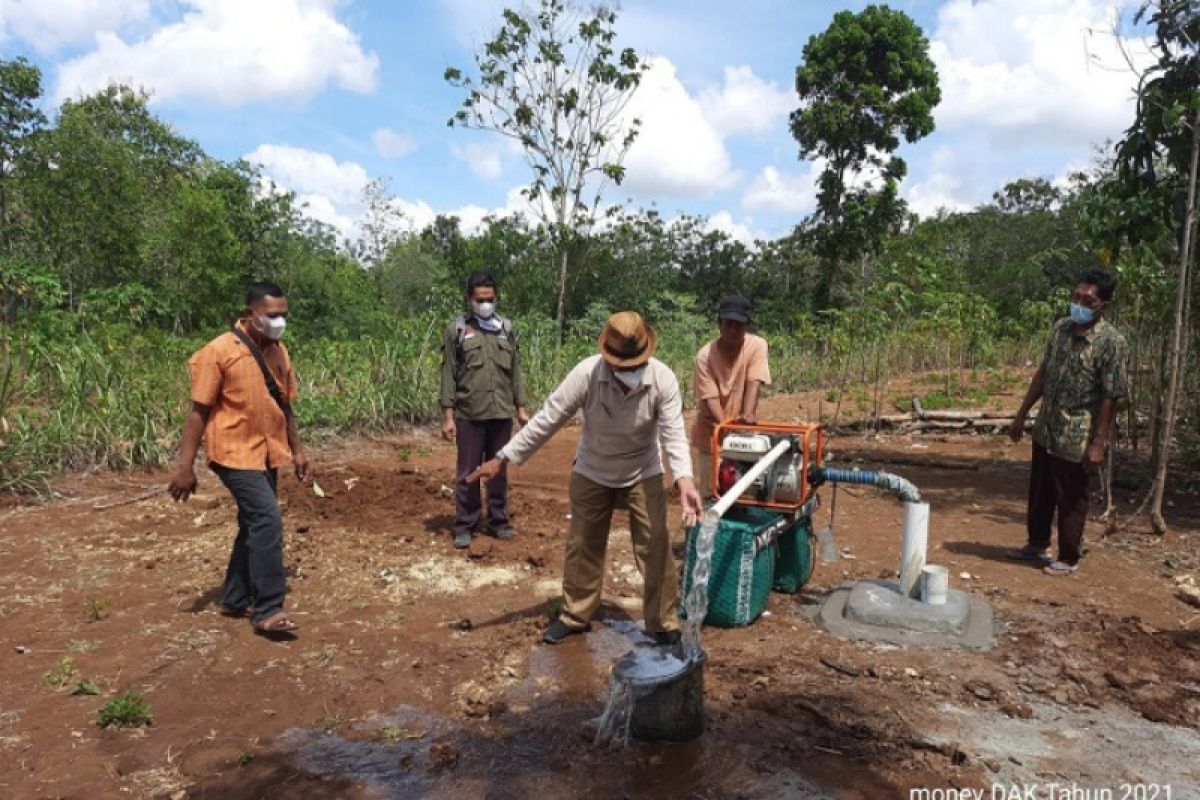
(587,541)
(702,460)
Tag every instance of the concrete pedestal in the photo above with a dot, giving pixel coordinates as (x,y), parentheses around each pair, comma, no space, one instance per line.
(875,611)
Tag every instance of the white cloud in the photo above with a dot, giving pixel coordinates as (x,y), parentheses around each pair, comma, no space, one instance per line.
(48,25)
(332,192)
(390,144)
(773,190)
(232,52)
(486,159)
(311,172)
(331,189)
(741,231)
(1033,70)
(942,190)
(745,103)
(678,151)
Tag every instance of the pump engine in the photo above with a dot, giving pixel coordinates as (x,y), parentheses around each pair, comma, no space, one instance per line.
(737,447)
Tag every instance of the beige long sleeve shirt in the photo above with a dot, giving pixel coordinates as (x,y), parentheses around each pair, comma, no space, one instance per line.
(619,445)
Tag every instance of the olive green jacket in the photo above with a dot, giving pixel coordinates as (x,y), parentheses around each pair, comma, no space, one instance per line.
(481,373)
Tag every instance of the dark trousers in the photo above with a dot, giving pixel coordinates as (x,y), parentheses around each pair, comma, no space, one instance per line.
(479,441)
(1059,486)
(255,577)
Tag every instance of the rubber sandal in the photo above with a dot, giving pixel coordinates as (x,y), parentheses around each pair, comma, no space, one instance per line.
(236,613)
(276,623)
(1060,568)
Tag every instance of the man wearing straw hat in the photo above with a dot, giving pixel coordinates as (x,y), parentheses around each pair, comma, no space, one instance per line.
(628,400)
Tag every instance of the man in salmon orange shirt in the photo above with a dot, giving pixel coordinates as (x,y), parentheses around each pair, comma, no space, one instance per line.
(728,375)
(242,391)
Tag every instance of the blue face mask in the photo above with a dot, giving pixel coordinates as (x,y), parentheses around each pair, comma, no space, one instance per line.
(1082,315)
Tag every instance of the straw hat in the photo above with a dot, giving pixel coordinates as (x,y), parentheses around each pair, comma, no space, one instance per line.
(627,341)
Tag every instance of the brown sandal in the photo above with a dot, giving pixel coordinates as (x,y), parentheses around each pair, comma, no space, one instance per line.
(237,613)
(276,623)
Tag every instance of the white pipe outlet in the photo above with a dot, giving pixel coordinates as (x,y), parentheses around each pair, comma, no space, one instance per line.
(935,583)
(738,489)
(913,547)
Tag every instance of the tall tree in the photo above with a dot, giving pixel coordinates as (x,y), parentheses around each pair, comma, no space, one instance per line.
(98,182)
(1158,161)
(865,81)
(554,83)
(20,88)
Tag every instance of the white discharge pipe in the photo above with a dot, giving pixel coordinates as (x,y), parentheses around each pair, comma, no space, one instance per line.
(913,547)
(738,489)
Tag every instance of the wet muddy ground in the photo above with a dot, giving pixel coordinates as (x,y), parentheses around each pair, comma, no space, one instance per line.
(417,671)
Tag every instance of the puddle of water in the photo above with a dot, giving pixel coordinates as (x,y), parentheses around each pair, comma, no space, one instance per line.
(543,746)
(578,669)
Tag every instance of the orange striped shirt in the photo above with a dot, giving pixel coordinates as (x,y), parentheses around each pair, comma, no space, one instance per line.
(246,429)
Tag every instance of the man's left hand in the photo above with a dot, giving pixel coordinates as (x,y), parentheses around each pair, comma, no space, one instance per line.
(1094,457)
(690,501)
(300,463)
(522,416)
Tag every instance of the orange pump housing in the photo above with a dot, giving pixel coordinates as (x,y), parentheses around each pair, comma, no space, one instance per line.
(807,438)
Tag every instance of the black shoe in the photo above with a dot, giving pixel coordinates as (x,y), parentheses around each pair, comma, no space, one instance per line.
(560,630)
(501,532)
(462,540)
(667,638)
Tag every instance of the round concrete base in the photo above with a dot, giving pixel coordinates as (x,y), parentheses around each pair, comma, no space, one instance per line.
(875,611)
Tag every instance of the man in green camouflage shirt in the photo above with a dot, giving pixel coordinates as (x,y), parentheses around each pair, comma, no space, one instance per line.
(1080,381)
(482,390)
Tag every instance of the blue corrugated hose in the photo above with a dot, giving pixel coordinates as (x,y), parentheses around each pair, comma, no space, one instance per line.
(901,487)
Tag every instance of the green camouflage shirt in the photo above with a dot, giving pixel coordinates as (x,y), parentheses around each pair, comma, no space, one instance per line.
(1080,371)
(481,374)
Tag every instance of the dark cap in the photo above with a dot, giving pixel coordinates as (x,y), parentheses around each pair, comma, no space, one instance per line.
(735,307)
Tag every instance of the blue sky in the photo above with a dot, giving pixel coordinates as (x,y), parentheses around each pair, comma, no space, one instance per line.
(327,94)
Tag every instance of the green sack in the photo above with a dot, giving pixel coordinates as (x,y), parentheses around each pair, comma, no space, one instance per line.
(740,580)
(794,564)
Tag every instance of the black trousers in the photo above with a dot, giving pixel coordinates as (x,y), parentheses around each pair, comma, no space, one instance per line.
(255,577)
(479,441)
(1056,485)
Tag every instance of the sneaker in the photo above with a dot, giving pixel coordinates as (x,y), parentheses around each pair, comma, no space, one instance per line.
(1060,568)
(1028,553)
(462,540)
(501,532)
(560,630)
(666,638)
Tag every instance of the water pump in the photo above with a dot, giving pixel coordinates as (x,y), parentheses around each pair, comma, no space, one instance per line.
(784,486)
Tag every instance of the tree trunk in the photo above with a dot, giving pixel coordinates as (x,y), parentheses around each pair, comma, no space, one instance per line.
(1178,334)
(561,315)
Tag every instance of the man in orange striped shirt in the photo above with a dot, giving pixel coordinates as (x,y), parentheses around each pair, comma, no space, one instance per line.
(243,387)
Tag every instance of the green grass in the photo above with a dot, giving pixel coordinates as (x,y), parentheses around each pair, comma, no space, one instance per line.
(96,608)
(112,396)
(61,675)
(127,710)
(85,687)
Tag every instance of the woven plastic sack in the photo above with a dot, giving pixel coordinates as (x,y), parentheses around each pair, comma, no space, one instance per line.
(794,564)
(740,581)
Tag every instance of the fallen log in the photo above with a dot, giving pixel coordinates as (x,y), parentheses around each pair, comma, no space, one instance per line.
(931,462)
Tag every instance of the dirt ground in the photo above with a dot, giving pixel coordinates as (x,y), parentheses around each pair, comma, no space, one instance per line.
(417,671)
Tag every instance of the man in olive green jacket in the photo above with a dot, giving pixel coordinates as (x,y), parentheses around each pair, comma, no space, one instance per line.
(482,390)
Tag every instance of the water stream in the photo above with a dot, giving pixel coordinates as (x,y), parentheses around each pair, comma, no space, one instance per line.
(647,668)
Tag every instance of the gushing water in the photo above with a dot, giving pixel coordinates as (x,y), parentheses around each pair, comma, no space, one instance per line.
(696,602)
(639,677)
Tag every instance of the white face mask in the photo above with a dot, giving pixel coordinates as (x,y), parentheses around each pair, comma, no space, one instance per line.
(632,377)
(270,327)
(483,310)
